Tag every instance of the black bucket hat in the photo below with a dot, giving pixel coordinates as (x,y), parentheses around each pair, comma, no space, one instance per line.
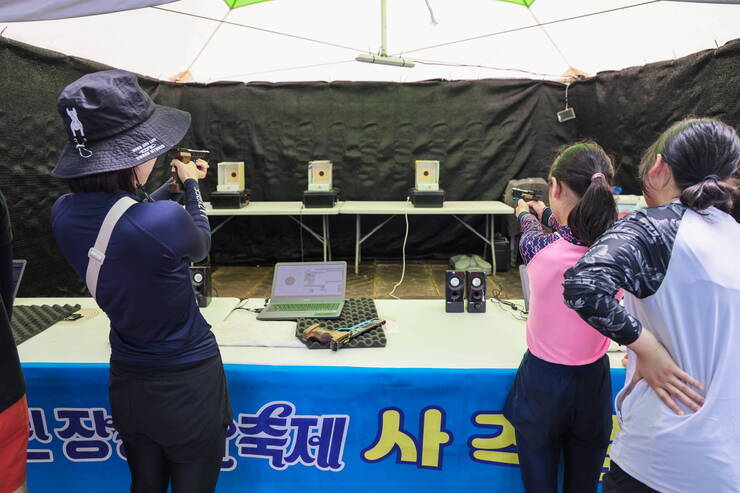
(113,124)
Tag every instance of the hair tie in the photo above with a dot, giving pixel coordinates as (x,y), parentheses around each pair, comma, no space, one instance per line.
(711,177)
(597,175)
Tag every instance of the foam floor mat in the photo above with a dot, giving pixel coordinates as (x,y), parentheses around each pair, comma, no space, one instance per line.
(30,320)
(355,310)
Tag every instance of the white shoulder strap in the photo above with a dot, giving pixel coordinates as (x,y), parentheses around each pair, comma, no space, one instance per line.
(97,253)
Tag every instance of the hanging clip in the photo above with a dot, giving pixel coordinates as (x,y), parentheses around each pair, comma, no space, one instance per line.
(84,151)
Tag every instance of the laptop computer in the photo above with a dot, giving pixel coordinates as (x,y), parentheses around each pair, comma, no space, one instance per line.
(19,266)
(306,290)
(524,277)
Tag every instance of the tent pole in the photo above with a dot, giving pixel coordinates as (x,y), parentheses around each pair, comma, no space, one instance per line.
(383,29)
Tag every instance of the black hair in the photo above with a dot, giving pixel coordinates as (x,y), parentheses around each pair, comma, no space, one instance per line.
(110,182)
(589,172)
(703,155)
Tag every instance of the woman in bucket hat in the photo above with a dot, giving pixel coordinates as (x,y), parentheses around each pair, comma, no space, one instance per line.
(167,386)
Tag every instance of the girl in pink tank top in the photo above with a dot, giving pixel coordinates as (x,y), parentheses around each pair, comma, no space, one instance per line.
(560,402)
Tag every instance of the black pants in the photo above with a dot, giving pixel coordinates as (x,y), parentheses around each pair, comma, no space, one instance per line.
(172,421)
(618,481)
(539,468)
(561,410)
(152,469)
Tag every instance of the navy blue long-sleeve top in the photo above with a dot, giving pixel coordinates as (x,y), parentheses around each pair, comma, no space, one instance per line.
(144,285)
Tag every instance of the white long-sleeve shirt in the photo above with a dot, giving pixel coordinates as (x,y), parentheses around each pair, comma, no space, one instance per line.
(681,272)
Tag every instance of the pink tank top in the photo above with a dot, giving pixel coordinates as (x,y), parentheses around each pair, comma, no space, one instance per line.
(555,333)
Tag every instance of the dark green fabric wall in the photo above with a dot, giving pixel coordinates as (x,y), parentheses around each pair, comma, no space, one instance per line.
(484,133)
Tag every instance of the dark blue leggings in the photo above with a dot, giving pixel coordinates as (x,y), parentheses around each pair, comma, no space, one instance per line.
(152,471)
(539,468)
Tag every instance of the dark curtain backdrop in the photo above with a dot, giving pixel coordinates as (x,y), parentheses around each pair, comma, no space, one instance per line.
(484,133)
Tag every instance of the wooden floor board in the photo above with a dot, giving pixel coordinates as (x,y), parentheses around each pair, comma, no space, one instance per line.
(422,280)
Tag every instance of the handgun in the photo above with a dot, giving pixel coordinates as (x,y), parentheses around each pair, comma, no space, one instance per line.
(184,155)
(525,195)
(335,344)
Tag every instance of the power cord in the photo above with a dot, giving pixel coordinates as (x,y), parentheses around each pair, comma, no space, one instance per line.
(300,228)
(242,306)
(403,253)
(511,308)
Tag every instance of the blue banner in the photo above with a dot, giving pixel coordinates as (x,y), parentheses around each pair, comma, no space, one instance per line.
(297,428)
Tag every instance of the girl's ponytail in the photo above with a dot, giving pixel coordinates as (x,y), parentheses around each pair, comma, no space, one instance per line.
(588,171)
(704,156)
(707,193)
(595,212)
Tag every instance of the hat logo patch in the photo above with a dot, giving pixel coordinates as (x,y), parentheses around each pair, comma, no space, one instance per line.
(75,124)
(147,148)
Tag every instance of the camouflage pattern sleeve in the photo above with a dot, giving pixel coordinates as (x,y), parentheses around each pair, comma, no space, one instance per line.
(632,255)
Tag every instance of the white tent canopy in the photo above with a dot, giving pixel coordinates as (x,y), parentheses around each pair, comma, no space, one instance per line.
(301,40)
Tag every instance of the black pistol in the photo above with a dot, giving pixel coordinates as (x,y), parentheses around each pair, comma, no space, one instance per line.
(525,195)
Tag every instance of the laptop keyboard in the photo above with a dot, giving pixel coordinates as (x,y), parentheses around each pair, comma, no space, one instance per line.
(304,307)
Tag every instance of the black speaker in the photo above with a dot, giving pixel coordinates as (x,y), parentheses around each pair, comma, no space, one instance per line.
(476,296)
(454,291)
(200,277)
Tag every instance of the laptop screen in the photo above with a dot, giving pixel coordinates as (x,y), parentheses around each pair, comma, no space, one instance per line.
(18,267)
(309,280)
